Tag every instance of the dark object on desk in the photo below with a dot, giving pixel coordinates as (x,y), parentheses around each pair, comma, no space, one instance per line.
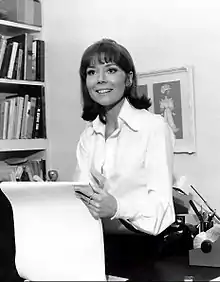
(181,201)
(8,272)
(177,239)
(206,246)
(208,206)
(53,175)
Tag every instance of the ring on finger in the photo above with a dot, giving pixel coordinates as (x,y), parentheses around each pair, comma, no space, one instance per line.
(90,198)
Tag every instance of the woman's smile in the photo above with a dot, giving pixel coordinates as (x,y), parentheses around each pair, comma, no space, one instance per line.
(105,83)
(103,91)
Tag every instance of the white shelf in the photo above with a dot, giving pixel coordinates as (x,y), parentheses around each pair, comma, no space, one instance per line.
(21,82)
(23,144)
(9,27)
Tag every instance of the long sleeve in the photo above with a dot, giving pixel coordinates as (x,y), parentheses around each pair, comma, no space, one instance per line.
(82,171)
(150,207)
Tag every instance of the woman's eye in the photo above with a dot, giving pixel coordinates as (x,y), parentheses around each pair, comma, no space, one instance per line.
(90,72)
(112,70)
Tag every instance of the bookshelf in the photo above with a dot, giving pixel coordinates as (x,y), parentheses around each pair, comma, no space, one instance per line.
(23,145)
(32,146)
(12,28)
(20,82)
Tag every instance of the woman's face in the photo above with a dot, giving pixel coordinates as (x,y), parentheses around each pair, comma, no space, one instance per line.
(105,83)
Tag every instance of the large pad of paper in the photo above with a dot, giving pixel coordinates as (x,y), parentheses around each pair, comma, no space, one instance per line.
(56,237)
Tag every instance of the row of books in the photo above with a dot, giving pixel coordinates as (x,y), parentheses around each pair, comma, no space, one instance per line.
(22,57)
(22,172)
(21,117)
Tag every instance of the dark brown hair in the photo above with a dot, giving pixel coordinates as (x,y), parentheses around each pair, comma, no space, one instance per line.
(105,51)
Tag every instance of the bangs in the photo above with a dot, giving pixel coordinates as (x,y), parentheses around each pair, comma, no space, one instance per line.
(103,57)
(101,53)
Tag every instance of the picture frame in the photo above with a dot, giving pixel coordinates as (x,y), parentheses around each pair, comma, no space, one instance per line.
(172,95)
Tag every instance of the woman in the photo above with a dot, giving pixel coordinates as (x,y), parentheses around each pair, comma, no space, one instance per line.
(125,152)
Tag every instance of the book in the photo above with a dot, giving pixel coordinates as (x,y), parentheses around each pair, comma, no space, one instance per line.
(37,117)
(11,65)
(25,41)
(34,58)
(6,60)
(42,127)
(5,123)
(24,116)
(11,117)
(15,68)
(1,118)
(19,71)
(27,114)
(43,173)
(40,60)
(15,121)
(3,44)
(30,119)
(20,106)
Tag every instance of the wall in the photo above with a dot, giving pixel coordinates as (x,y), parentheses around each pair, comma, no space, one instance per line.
(159,34)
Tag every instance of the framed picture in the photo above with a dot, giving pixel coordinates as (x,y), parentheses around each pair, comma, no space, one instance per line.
(172,95)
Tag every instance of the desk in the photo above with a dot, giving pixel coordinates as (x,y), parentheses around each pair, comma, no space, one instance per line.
(170,268)
(174,268)
(126,261)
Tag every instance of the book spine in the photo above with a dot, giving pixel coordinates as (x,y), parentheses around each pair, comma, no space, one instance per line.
(12,59)
(1,119)
(36,127)
(42,127)
(40,61)
(26,119)
(5,123)
(15,122)
(24,114)
(19,117)
(19,74)
(30,121)
(6,60)
(14,72)
(11,118)
(28,57)
(34,58)
(3,44)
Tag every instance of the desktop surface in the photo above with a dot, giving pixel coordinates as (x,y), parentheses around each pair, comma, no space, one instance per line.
(176,268)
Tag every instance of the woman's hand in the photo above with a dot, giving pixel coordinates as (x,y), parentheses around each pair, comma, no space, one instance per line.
(100,203)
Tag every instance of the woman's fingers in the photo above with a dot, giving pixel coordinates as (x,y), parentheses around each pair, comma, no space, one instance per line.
(98,177)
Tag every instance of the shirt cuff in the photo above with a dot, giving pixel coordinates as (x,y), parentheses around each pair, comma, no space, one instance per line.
(117,211)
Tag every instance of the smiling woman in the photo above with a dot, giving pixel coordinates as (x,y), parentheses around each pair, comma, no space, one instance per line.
(125,154)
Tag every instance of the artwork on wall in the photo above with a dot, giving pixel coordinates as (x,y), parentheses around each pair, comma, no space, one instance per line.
(172,95)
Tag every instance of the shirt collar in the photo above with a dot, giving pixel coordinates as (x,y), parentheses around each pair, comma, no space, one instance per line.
(98,126)
(127,114)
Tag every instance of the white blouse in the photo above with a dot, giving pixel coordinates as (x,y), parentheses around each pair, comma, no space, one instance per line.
(137,161)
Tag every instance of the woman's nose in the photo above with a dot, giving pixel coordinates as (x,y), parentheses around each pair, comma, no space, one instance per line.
(101,77)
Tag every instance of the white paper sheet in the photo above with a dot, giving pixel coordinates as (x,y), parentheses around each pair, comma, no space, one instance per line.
(56,237)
